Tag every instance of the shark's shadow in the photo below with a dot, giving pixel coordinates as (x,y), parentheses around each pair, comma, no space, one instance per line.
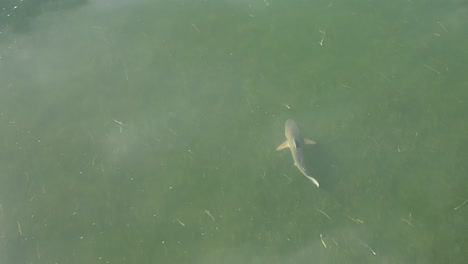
(319,165)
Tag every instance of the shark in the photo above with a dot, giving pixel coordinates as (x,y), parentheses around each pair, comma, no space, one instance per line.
(295,142)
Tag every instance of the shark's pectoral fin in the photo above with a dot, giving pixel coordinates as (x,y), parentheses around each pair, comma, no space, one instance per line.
(308,141)
(283,146)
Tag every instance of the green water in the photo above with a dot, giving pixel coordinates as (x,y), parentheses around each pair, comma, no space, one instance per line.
(138,131)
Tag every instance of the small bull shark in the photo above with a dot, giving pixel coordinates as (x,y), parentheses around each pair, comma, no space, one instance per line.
(295,142)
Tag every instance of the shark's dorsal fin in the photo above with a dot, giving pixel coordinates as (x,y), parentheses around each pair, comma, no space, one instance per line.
(297,143)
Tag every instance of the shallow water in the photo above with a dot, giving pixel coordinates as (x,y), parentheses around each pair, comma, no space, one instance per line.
(138,131)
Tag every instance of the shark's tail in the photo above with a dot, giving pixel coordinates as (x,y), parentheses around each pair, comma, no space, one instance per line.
(313,180)
(303,170)
(310,177)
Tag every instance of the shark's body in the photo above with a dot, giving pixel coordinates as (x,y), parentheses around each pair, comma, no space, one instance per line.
(295,142)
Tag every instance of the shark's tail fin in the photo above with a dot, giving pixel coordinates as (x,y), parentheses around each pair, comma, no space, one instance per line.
(312,179)
(308,176)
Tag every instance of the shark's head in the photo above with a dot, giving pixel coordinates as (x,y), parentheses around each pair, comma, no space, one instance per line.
(291,130)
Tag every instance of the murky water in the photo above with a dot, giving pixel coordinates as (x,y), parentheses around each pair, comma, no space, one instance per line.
(138,131)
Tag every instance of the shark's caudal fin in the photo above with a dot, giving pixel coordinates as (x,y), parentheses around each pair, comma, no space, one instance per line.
(283,146)
(313,180)
(305,173)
